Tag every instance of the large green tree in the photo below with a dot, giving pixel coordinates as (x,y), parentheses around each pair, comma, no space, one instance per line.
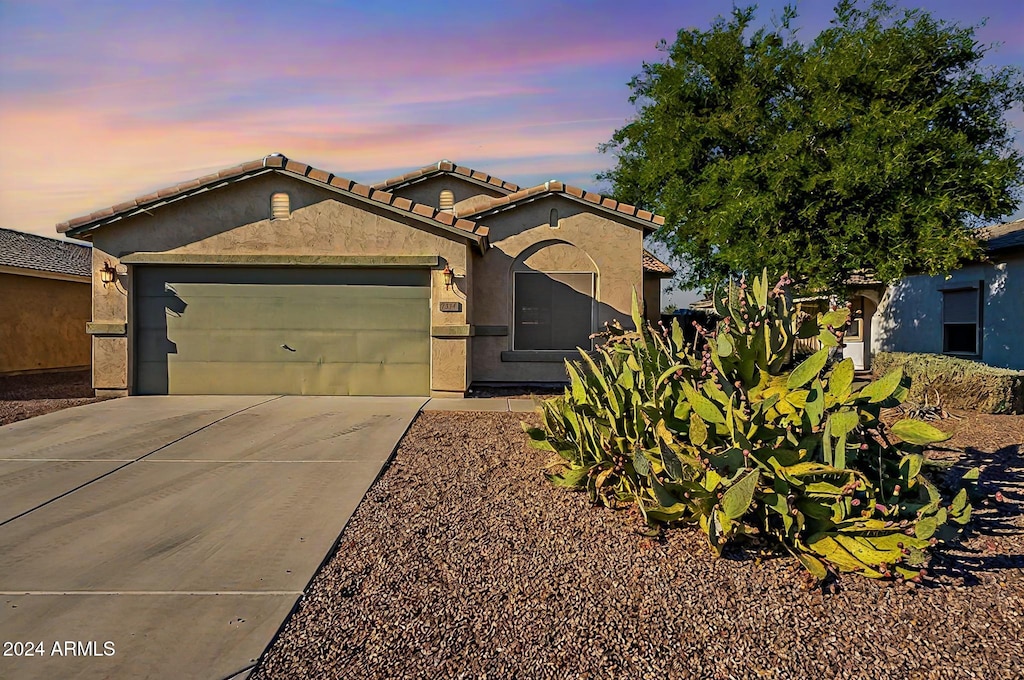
(876,146)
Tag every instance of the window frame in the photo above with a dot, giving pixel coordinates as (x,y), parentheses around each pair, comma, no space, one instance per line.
(979,290)
(856,321)
(593,308)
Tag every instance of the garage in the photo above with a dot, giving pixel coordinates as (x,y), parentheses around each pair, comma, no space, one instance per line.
(282,330)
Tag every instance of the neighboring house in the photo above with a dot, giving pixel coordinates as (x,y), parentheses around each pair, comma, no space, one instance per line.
(977,312)
(45,302)
(273,277)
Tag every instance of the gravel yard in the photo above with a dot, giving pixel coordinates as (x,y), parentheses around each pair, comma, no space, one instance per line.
(25,396)
(462,562)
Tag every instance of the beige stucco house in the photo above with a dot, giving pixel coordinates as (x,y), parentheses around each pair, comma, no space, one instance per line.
(44,304)
(273,277)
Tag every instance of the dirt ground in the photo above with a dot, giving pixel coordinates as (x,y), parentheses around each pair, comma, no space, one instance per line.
(463,562)
(26,396)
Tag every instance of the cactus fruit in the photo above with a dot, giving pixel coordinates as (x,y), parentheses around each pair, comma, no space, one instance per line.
(725,433)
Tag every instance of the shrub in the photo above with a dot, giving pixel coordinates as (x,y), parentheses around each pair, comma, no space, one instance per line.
(723,434)
(959,383)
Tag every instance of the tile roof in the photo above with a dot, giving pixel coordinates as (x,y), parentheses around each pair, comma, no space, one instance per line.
(446,166)
(277,163)
(29,251)
(656,266)
(553,187)
(1002,236)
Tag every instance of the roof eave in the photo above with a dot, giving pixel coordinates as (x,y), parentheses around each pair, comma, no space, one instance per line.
(648,227)
(84,230)
(390,186)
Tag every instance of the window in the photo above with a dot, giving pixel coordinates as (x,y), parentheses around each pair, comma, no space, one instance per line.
(553,219)
(552,311)
(446,201)
(855,333)
(961,321)
(280,206)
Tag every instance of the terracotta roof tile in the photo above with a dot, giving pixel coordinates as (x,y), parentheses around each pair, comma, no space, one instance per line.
(319,175)
(449,167)
(656,266)
(280,164)
(555,187)
(423,209)
(30,251)
(341,183)
(127,205)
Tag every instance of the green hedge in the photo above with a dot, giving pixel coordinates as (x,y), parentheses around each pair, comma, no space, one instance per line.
(961,383)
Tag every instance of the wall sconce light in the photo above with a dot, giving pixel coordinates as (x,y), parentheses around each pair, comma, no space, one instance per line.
(107,273)
(449,277)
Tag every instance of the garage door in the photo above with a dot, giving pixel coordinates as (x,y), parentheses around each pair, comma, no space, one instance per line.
(253,330)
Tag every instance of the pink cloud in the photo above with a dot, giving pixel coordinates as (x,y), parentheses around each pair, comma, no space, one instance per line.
(81,160)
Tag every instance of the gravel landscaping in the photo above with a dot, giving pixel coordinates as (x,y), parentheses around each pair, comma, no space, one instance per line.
(26,396)
(463,562)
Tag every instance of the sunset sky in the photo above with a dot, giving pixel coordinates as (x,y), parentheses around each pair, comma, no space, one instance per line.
(102,101)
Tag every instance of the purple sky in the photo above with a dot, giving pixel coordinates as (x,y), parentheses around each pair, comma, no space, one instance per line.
(102,101)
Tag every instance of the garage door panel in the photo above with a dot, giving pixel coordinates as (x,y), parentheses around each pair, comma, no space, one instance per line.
(216,331)
(344,310)
(351,292)
(154,280)
(297,378)
(263,346)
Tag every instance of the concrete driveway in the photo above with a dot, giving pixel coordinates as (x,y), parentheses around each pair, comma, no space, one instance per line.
(169,537)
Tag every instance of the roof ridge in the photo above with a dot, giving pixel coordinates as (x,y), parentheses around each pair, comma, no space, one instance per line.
(280,163)
(556,186)
(445,165)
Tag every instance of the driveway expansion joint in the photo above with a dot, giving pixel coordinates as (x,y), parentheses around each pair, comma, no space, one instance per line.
(136,460)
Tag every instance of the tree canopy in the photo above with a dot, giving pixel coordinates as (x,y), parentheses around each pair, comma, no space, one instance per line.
(876,146)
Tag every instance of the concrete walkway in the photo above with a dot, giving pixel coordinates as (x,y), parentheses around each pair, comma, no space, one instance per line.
(180,530)
(496,404)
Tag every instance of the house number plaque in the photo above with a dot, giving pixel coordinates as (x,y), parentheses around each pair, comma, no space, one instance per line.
(450,306)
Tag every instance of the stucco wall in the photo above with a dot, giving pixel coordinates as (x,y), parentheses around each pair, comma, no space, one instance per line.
(909,317)
(428,191)
(585,241)
(42,323)
(235,221)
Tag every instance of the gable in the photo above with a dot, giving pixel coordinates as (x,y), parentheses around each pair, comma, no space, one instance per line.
(236,219)
(533,220)
(467,193)
(84,226)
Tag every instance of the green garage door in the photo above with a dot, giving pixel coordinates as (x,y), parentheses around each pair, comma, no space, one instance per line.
(261,330)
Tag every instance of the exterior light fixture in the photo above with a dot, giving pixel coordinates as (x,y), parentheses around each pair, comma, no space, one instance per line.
(107,273)
(449,277)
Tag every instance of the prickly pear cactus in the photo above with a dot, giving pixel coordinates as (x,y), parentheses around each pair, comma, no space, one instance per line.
(727,434)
